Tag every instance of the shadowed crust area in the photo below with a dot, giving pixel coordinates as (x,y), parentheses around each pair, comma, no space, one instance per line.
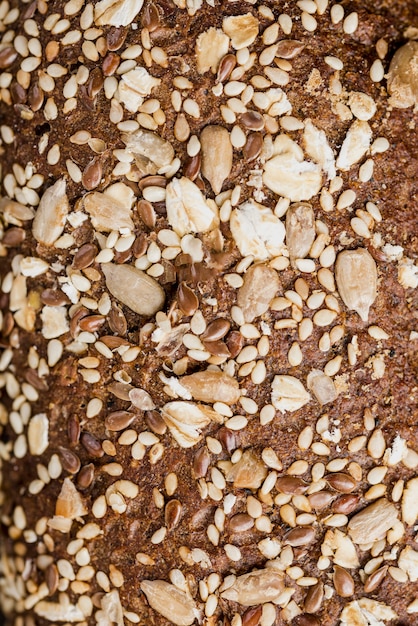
(197,424)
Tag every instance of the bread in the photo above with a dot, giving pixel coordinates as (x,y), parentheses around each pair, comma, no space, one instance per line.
(208,270)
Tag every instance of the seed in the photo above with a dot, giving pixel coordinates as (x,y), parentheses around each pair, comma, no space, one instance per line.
(398,574)
(376,491)
(377,445)
(227,438)
(343,582)
(69,460)
(260,286)
(216,329)
(172,513)
(375,579)
(320,499)
(300,230)
(291,485)
(52,578)
(356,276)
(253,146)
(377,71)
(92,175)
(299,536)
(377,333)
(8,56)
(240,523)
(309,23)
(85,476)
(295,355)
(155,422)
(341,482)
(350,23)
(346,504)
(305,619)
(201,462)
(297,468)
(252,120)
(373,522)
(227,64)
(252,616)
(92,445)
(187,299)
(314,598)
(119,420)
(141,293)
(192,166)
(216,155)
(232,552)
(376,475)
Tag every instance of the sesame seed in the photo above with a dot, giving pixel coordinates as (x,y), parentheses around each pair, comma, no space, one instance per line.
(377,71)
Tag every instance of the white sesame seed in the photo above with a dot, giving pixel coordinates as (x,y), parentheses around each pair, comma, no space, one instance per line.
(267,414)
(238,422)
(30,64)
(60,27)
(321,449)
(295,355)
(334,62)
(333,366)
(51,112)
(381,144)
(305,265)
(259,373)
(8,136)
(191,107)
(249,405)
(90,51)
(71,38)
(35,47)
(346,199)
(270,34)
(309,23)
(285,22)
(94,407)
(326,278)
(238,137)
(159,535)
(377,333)
(290,123)
(232,552)
(56,71)
(350,23)
(360,227)
(337,13)
(307,5)
(374,211)
(377,71)
(305,438)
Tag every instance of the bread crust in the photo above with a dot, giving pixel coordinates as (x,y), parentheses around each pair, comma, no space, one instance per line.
(105,168)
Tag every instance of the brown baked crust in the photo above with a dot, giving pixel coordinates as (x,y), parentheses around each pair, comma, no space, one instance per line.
(372,362)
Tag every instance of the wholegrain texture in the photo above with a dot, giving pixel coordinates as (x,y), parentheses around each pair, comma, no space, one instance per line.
(208,305)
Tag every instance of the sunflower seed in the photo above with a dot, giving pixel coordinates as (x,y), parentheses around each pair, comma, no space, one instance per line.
(216,155)
(134,288)
(170,602)
(343,582)
(373,522)
(402,84)
(210,386)
(260,286)
(257,587)
(51,214)
(356,276)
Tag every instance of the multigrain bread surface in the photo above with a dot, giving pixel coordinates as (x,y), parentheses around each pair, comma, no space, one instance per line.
(208,296)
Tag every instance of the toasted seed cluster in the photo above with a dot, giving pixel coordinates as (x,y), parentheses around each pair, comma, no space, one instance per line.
(208,244)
